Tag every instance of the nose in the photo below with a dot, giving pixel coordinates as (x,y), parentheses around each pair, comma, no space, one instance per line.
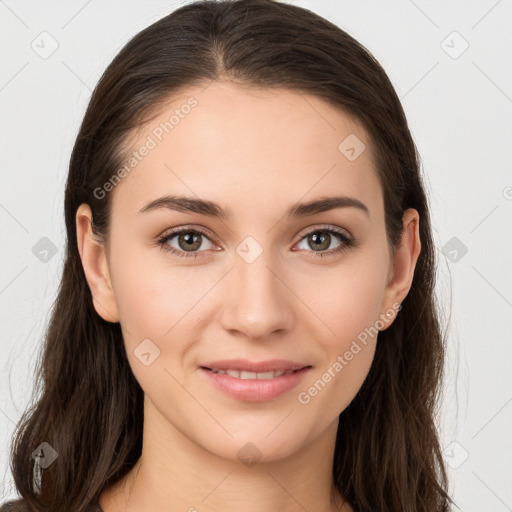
(258,300)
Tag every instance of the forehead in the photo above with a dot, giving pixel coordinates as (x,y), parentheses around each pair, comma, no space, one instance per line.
(249,149)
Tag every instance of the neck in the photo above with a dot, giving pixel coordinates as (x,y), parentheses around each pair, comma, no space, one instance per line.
(175,474)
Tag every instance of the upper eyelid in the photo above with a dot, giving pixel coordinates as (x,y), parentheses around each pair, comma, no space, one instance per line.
(326,227)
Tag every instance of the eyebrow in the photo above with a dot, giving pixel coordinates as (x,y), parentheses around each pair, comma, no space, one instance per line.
(211,209)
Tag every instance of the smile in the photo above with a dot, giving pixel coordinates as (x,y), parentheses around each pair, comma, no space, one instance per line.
(254,386)
(253,375)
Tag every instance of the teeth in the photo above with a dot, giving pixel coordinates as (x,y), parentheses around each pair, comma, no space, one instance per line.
(253,375)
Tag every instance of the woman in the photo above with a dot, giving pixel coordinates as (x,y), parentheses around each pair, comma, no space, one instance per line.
(246,317)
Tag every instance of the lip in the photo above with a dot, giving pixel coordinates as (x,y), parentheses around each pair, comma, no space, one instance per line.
(255,366)
(255,390)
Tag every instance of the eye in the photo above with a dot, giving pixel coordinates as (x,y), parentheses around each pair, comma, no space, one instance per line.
(188,240)
(321,239)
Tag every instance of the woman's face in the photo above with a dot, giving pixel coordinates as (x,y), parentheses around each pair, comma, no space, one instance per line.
(263,284)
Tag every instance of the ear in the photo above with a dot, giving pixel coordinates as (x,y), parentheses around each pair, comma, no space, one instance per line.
(402,267)
(95,264)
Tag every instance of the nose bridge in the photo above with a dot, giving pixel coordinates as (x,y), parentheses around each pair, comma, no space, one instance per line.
(258,302)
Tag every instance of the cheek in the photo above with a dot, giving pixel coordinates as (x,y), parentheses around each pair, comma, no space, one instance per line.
(156,303)
(138,300)
(151,296)
(345,299)
(348,352)
(165,304)
(346,304)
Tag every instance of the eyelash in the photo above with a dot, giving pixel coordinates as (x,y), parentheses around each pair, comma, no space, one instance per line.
(347,242)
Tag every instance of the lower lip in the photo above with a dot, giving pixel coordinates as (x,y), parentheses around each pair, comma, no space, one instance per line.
(255,390)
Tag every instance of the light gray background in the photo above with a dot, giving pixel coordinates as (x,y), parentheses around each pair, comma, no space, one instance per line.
(460,112)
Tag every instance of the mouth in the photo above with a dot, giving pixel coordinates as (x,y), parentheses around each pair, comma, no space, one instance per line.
(250,386)
(247,375)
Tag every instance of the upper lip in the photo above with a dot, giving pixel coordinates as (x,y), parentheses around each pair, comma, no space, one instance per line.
(255,366)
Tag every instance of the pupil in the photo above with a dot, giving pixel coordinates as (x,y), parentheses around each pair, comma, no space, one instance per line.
(319,240)
(191,240)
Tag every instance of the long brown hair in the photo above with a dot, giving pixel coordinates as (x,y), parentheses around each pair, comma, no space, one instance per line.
(90,409)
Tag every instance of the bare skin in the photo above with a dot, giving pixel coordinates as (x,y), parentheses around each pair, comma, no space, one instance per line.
(255,152)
